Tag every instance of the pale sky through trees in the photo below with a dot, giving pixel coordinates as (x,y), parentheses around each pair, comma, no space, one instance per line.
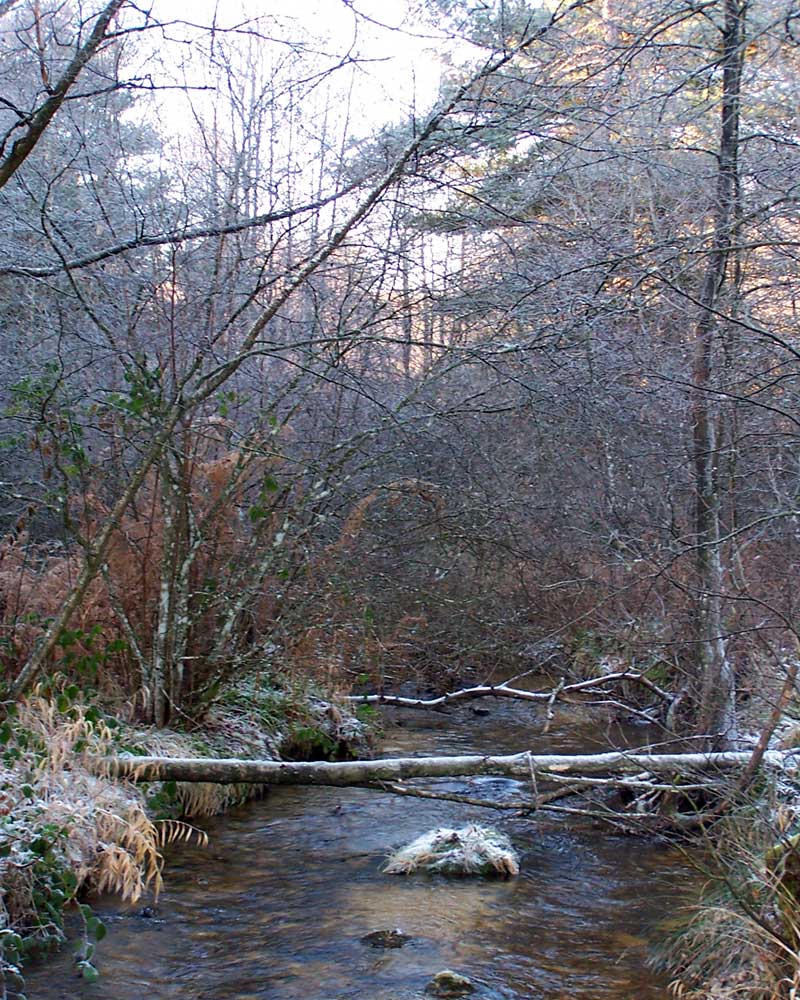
(401,66)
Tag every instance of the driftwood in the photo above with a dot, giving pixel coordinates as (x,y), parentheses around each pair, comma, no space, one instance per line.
(367,772)
(564,692)
(645,821)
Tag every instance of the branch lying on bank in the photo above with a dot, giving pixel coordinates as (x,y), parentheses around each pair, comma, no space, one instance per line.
(362,772)
(591,686)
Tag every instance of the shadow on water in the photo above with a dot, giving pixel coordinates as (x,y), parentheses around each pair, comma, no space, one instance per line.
(276,907)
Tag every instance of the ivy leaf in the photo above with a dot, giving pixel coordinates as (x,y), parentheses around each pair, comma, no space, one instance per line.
(96,928)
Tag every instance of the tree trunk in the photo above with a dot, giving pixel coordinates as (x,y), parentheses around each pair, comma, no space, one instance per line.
(361,772)
(198,384)
(717,716)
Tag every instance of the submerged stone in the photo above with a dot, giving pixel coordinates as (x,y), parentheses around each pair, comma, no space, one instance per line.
(472,850)
(386,939)
(449,984)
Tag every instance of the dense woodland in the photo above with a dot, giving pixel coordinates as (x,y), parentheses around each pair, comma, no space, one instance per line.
(513,375)
(509,383)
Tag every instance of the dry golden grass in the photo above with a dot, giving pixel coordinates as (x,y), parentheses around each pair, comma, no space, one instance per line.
(741,941)
(111,843)
(102,832)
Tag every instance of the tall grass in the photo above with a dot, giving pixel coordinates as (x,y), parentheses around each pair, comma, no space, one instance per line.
(66,830)
(742,940)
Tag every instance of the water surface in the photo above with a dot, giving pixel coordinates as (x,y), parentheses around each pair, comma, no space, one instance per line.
(276,906)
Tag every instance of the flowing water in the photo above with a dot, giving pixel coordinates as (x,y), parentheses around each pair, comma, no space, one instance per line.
(276,906)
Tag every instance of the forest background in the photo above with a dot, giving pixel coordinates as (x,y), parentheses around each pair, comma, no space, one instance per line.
(508,381)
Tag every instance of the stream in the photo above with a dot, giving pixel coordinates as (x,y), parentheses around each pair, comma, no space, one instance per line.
(276,906)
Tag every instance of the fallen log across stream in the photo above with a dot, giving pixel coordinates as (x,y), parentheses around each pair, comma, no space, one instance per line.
(367,772)
(592,686)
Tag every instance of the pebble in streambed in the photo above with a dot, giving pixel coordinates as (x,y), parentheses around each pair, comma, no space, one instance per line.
(447,984)
(386,939)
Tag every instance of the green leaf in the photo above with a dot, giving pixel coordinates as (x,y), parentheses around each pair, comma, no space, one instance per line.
(97,928)
(88,971)
(67,639)
(40,846)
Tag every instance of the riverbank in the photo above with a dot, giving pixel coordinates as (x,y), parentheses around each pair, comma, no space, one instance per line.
(67,833)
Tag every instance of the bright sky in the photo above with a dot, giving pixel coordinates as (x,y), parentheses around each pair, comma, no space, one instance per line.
(403,70)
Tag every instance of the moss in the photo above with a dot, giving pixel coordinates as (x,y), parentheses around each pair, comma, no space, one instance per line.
(308,742)
(163,800)
(447,984)
(660,672)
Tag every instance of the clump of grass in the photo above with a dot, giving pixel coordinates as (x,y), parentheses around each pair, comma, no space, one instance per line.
(254,721)
(472,850)
(66,830)
(741,941)
(111,843)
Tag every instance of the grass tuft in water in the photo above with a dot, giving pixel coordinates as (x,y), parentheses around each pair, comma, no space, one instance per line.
(472,850)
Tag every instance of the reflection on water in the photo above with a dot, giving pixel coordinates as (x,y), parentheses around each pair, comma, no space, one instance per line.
(275,908)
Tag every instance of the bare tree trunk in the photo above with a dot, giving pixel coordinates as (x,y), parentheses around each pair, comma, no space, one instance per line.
(408,321)
(164,626)
(717,715)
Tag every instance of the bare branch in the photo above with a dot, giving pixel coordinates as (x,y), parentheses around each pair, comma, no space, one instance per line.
(39,121)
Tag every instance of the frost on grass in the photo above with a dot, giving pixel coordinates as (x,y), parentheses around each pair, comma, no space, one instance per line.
(472,850)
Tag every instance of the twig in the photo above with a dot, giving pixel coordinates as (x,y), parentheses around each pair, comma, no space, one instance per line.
(551,706)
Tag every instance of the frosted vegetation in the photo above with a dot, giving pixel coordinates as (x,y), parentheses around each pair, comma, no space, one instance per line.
(293,399)
(471,850)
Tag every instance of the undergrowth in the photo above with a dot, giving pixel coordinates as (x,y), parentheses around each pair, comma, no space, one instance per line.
(65,830)
(742,940)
